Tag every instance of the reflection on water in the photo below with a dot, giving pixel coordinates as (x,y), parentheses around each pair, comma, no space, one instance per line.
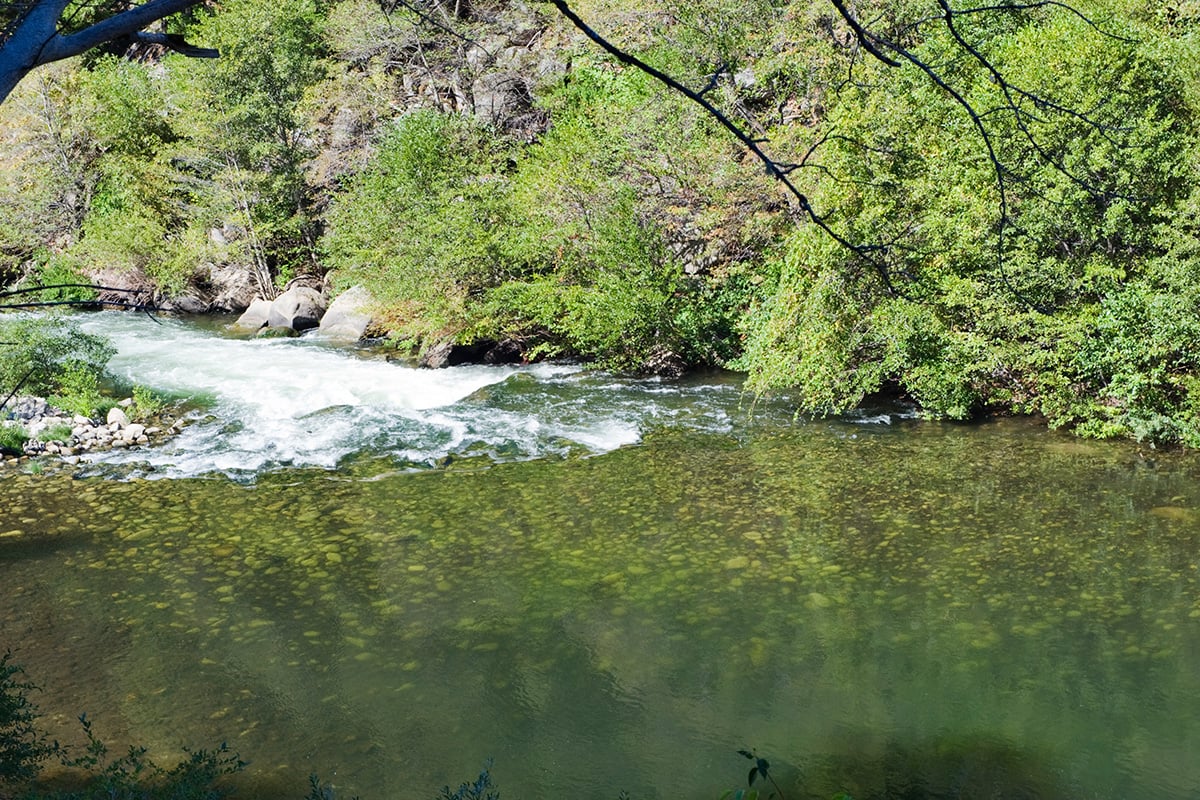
(904,611)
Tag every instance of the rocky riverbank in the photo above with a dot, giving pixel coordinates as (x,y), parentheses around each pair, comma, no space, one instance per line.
(57,433)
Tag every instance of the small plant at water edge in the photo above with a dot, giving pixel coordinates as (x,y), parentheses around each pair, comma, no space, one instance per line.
(12,439)
(761,769)
(147,403)
(55,433)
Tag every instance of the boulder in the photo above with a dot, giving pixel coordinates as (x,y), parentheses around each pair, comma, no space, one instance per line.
(498,97)
(299,308)
(348,316)
(117,417)
(188,303)
(231,286)
(254,317)
(276,332)
(448,354)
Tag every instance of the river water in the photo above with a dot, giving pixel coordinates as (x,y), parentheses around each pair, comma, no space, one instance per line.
(388,576)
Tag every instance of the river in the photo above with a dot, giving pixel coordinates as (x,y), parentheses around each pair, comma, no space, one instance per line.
(389,576)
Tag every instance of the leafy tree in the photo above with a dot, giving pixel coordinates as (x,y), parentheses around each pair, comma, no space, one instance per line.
(243,117)
(40,353)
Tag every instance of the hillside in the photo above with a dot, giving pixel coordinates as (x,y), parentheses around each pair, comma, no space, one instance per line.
(1001,222)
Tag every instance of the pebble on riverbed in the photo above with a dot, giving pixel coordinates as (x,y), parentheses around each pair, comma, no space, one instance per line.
(36,416)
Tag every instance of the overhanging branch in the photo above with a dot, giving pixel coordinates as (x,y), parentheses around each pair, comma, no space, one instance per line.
(773,168)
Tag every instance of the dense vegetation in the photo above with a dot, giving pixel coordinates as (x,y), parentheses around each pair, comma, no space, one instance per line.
(490,175)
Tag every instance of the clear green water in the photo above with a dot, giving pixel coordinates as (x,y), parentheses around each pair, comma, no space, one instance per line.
(904,611)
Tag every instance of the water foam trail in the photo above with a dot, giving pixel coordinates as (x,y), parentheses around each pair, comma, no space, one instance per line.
(303,403)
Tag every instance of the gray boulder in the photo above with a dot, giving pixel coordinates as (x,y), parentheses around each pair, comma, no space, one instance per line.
(348,316)
(255,317)
(231,286)
(299,308)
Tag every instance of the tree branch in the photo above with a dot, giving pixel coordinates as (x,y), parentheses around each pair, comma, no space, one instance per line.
(126,23)
(773,168)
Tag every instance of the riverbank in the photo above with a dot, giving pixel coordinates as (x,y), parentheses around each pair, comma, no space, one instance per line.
(51,431)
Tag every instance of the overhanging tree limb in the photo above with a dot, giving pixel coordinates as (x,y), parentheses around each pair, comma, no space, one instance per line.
(1014,101)
(773,168)
(34,38)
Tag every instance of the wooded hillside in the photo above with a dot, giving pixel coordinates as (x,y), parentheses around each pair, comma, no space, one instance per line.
(1007,194)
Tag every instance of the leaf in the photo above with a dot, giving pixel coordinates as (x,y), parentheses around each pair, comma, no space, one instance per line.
(746,753)
(753,775)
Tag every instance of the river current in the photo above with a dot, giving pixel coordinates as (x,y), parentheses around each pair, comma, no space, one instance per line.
(389,576)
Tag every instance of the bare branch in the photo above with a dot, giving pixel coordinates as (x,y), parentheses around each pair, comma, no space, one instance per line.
(773,168)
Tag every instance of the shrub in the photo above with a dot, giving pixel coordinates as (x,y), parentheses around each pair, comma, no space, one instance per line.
(55,433)
(22,747)
(12,439)
(50,355)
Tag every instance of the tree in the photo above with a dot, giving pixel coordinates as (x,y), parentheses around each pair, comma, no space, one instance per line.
(37,32)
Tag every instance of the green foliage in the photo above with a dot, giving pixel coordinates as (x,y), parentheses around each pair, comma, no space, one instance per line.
(125,109)
(58,270)
(130,776)
(1077,319)
(49,354)
(424,226)
(481,788)
(134,776)
(79,390)
(243,116)
(12,439)
(55,433)
(23,748)
(147,403)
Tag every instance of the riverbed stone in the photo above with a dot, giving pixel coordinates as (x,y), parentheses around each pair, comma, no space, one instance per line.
(348,316)
(299,308)
(118,417)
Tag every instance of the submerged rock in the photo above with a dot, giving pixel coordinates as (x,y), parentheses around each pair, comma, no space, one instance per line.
(277,332)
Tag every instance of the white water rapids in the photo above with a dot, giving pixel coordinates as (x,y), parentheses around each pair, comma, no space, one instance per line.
(269,404)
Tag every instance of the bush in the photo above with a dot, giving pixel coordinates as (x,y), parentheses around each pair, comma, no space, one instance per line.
(12,439)
(50,355)
(55,433)
(131,776)
(23,748)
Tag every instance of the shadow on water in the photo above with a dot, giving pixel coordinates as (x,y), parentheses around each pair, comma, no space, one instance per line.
(970,767)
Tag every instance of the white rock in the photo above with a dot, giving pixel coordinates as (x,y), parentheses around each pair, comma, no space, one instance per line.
(255,316)
(349,315)
(117,417)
